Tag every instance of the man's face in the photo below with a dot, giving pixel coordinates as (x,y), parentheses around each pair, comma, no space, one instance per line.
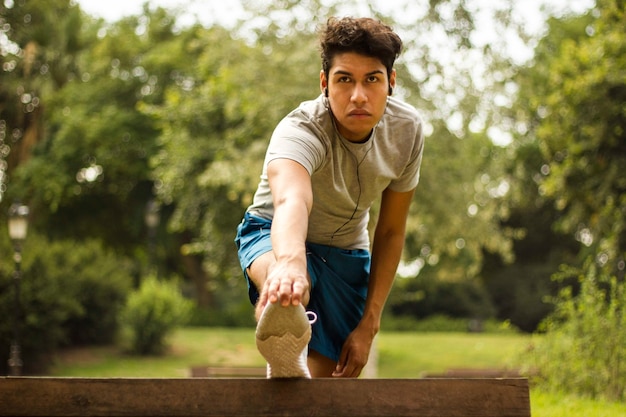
(357,92)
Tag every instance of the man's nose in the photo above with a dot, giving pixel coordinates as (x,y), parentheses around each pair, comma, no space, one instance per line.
(359,94)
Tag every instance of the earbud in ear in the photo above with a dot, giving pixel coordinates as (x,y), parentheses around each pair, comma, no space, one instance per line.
(326,92)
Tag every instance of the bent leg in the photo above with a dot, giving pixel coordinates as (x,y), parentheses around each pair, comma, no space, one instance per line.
(320,366)
(258,271)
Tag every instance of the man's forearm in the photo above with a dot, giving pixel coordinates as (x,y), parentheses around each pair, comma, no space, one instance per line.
(293,199)
(289,231)
(386,253)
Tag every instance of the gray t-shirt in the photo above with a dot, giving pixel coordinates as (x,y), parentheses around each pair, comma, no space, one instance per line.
(346,177)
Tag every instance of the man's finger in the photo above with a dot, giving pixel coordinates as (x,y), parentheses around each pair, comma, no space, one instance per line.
(285,291)
(298,289)
(272,290)
(340,369)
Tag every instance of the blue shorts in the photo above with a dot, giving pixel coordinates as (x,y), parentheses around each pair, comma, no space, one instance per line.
(339,279)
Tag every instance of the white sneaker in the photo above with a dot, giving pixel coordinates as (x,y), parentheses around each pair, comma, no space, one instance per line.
(282,337)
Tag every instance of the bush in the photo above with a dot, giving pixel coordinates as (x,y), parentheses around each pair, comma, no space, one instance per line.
(101,281)
(583,350)
(441,323)
(518,291)
(69,290)
(236,315)
(426,296)
(150,315)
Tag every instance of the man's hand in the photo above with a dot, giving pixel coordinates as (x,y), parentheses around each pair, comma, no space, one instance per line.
(285,285)
(355,353)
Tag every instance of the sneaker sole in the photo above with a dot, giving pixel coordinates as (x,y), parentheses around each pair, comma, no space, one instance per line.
(282,334)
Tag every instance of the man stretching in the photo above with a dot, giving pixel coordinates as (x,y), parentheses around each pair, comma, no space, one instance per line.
(304,240)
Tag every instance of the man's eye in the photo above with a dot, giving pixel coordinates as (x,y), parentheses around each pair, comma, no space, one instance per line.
(344,79)
(372,79)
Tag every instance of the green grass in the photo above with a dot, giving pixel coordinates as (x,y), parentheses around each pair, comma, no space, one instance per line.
(410,355)
(401,355)
(560,405)
(189,347)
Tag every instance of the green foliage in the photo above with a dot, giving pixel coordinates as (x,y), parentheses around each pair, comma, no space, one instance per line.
(571,106)
(425,296)
(215,126)
(518,288)
(235,313)
(38,56)
(583,134)
(518,291)
(549,404)
(583,350)
(101,287)
(450,226)
(93,125)
(69,294)
(443,323)
(565,170)
(152,313)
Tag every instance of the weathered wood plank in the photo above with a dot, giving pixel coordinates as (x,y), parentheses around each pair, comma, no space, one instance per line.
(23,396)
(227,372)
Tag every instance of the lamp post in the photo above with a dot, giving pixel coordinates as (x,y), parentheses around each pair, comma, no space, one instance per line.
(18,227)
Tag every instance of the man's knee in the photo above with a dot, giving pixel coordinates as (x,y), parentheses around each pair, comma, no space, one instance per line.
(258,270)
(320,366)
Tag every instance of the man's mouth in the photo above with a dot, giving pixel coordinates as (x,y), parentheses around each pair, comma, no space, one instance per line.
(359,113)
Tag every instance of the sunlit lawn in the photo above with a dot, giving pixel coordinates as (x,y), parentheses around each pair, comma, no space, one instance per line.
(189,347)
(400,355)
(411,355)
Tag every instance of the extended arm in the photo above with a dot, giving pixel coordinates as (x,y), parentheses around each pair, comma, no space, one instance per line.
(287,280)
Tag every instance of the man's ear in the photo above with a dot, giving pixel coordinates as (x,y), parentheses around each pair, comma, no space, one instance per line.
(323,83)
(392,81)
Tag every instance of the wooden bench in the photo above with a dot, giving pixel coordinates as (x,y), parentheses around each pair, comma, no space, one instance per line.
(30,396)
(228,372)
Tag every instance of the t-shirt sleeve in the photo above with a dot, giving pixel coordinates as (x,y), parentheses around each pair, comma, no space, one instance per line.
(295,141)
(411,174)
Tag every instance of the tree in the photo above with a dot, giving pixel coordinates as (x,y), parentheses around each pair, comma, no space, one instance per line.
(38,43)
(217,123)
(89,175)
(572,106)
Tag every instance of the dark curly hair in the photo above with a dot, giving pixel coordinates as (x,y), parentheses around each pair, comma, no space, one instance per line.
(364,36)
